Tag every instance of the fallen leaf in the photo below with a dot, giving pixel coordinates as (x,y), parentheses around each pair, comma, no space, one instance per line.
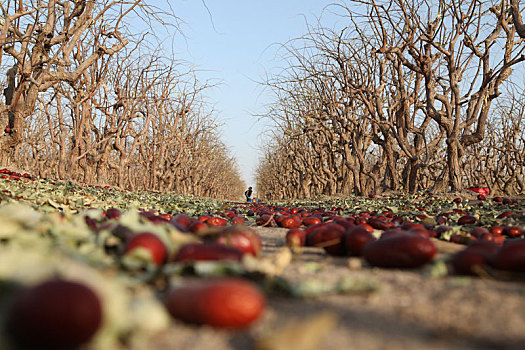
(299,335)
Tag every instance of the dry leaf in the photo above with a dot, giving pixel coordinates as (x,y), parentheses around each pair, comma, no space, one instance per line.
(272,265)
(299,335)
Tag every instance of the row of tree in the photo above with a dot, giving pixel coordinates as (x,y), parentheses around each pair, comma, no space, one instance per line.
(90,96)
(407,95)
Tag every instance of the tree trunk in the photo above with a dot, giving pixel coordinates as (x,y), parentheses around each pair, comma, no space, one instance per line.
(453,162)
(391,180)
(8,121)
(412,175)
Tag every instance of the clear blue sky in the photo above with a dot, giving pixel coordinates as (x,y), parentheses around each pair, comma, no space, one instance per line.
(232,42)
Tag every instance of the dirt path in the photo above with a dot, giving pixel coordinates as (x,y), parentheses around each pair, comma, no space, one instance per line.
(409,310)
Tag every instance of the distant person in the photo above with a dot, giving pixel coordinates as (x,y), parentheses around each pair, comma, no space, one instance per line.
(248,194)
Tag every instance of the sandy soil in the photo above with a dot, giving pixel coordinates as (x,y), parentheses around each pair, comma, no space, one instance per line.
(409,310)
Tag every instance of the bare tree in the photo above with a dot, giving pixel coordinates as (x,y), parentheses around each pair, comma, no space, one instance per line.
(42,38)
(499,160)
(464,50)
(83,104)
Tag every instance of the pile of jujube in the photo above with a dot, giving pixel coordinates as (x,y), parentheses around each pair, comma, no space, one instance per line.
(222,302)
(510,256)
(402,243)
(221,237)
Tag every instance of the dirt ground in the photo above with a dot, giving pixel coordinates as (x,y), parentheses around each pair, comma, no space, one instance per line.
(409,310)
